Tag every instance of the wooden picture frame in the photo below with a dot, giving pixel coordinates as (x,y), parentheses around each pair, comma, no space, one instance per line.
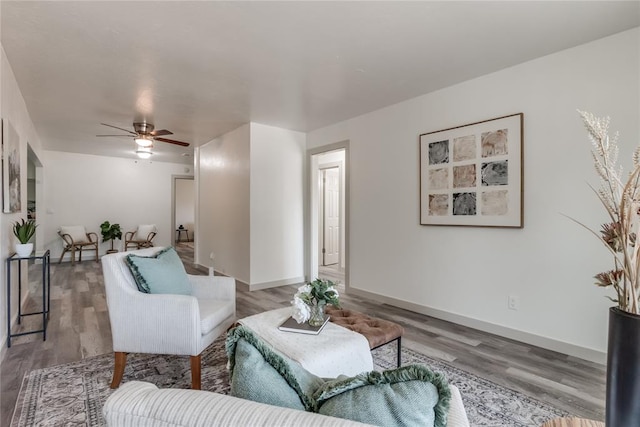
(472,175)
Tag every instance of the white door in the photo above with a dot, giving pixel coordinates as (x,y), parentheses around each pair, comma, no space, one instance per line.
(331,211)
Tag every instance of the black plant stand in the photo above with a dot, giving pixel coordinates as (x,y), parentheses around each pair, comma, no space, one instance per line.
(46,295)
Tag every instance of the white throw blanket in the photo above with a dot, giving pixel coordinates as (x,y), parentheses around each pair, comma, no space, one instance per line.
(334,351)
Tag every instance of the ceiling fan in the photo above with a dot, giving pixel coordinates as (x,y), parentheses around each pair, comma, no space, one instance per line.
(143,134)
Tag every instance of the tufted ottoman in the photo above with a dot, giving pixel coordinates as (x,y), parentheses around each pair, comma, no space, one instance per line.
(378,332)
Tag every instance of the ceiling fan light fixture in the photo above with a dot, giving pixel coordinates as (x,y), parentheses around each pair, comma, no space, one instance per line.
(143,141)
(144,153)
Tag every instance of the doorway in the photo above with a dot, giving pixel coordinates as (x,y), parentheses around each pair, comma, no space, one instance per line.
(183,217)
(328,219)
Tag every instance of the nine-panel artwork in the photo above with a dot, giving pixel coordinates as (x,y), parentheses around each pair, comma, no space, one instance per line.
(472,174)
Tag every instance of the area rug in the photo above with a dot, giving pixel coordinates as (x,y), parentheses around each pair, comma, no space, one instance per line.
(73,394)
(486,403)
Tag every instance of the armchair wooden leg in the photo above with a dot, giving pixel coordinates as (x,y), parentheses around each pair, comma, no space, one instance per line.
(195,372)
(118,370)
(73,256)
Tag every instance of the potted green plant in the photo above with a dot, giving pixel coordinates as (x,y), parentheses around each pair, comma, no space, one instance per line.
(620,197)
(24,231)
(110,232)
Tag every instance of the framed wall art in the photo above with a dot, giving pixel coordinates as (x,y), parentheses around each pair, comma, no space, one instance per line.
(473,174)
(10,168)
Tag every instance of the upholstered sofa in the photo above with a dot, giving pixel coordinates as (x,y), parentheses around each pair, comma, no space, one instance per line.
(142,404)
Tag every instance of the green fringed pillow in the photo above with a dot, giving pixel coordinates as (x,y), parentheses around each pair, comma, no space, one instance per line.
(162,273)
(260,374)
(408,396)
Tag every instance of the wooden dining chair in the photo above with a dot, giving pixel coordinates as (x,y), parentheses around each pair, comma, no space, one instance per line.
(140,238)
(76,238)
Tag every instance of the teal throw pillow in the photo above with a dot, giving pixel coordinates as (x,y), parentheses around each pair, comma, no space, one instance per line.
(162,273)
(411,395)
(260,374)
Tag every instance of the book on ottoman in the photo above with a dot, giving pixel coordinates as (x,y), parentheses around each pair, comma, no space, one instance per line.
(292,325)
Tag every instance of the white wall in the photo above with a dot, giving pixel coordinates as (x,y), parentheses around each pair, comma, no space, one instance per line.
(185,204)
(87,190)
(466,273)
(222,168)
(13,110)
(250,205)
(277,233)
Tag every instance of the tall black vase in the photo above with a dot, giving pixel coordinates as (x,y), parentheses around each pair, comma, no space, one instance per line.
(623,370)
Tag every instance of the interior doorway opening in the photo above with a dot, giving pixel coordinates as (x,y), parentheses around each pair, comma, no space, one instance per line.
(330,215)
(183,216)
(328,219)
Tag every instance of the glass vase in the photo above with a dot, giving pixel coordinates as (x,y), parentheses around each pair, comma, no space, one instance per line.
(317,313)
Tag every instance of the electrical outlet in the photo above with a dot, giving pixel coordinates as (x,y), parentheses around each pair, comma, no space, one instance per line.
(212,256)
(513,303)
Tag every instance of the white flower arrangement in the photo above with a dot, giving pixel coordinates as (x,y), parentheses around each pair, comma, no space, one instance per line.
(301,311)
(320,291)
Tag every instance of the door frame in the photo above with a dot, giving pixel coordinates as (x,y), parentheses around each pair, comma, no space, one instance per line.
(340,167)
(311,209)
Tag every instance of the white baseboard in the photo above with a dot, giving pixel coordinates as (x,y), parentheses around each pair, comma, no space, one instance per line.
(276,283)
(503,331)
(67,258)
(241,286)
(244,287)
(259,286)
(265,285)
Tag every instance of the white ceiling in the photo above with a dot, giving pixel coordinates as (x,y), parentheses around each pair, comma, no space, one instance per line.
(203,68)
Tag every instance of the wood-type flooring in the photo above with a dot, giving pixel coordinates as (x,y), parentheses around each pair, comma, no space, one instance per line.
(79,327)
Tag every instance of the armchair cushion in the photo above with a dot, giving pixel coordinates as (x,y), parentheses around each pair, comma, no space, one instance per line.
(213,312)
(143,231)
(162,273)
(77,233)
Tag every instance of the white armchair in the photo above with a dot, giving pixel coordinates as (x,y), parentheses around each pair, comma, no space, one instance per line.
(163,323)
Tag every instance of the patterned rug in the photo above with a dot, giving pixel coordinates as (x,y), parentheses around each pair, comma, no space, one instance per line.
(73,394)
(486,403)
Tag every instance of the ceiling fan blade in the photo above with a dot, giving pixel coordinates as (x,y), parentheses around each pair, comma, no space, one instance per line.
(161,132)
(173,141)
(116,127)
(126,136)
